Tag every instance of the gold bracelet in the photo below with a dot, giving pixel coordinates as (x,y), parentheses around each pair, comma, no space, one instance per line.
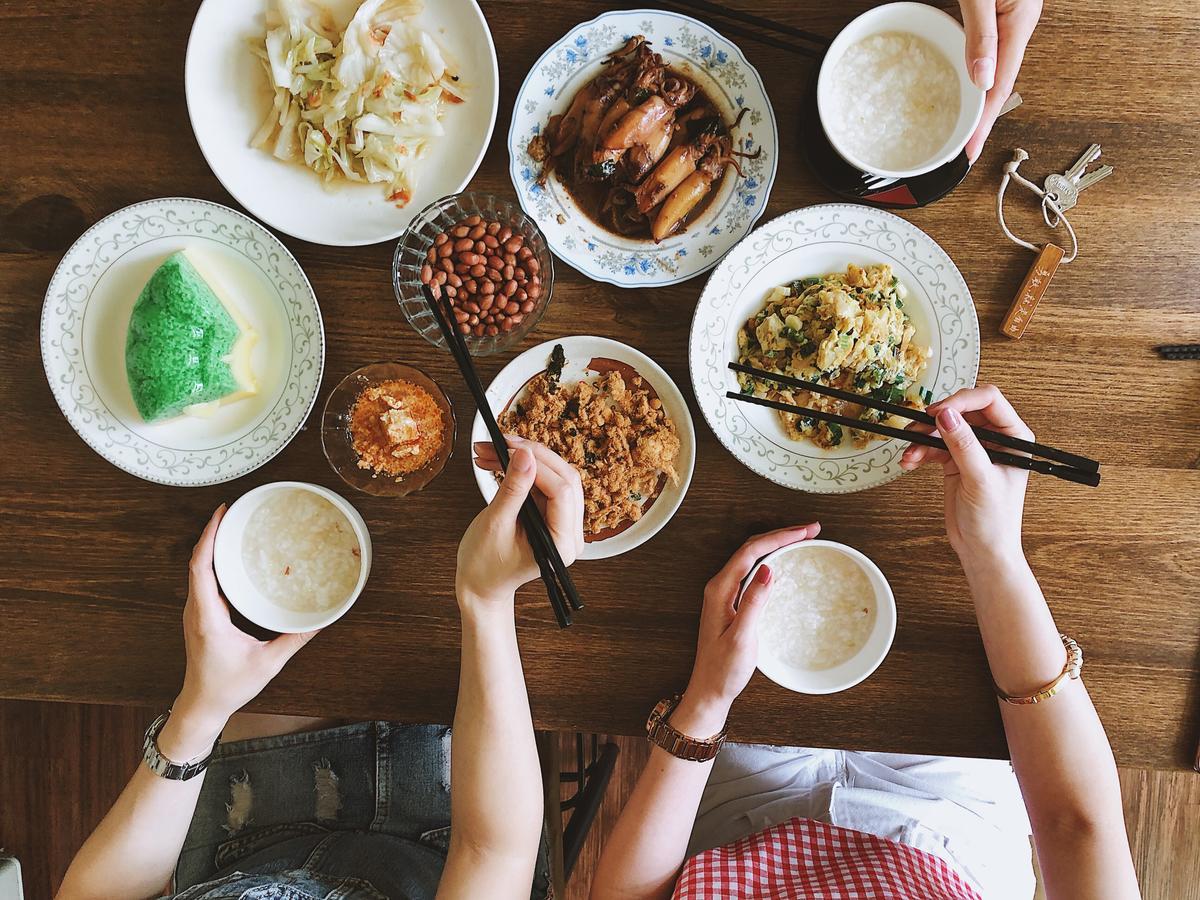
(1071,670)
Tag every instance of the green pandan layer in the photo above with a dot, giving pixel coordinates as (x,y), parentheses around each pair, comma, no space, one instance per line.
(180,348)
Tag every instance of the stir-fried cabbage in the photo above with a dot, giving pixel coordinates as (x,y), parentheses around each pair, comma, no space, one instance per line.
(362,105)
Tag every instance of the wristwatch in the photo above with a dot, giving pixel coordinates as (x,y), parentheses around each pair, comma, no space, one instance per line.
(660,733)
(166,768)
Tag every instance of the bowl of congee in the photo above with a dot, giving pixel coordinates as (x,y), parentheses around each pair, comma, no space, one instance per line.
(893,93)
(829,620)
(292,556)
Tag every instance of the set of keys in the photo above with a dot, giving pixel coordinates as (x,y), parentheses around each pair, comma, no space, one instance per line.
(1059,193)
(1064,190)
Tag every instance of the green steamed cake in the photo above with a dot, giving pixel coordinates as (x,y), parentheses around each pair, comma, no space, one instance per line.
(185,346)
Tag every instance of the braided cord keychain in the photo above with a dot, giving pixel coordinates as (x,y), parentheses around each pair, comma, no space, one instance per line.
(1049,256)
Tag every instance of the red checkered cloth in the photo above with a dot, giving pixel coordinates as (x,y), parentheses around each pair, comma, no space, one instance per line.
(804,858)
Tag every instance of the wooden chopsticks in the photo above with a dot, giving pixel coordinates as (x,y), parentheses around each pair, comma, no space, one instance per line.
(1079,469)
(559,585)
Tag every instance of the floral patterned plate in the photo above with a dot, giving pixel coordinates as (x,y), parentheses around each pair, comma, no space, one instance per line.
(816,241)
(86,314)
(722,70)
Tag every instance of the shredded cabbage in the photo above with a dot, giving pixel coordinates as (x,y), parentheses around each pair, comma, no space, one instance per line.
(362,105)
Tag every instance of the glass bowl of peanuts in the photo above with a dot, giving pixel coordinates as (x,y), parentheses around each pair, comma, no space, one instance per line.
(488,257)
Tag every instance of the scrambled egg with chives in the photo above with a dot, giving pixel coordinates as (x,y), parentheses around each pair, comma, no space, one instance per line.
(847,330)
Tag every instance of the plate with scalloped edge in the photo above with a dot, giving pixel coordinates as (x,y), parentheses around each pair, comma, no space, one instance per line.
(726,76)
(85,317)
(816,241)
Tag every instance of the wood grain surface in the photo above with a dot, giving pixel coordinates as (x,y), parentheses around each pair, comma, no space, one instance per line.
(93,561)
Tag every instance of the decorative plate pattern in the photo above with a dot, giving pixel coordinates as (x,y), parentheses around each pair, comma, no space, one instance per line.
(725,74)
(814,241)
(85,280)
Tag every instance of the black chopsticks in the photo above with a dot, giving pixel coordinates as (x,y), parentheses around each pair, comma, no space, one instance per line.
(1178,351)
(1079,469)
(559,586)
(775,32)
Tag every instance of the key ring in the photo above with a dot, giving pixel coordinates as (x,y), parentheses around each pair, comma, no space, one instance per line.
(1049,204)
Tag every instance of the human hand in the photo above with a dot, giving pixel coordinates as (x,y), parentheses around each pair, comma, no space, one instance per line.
(494,556)
(727,646)
(226,668)
(984,501)
(997,34)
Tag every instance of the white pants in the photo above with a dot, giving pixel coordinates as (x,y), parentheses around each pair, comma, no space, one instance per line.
(968,812)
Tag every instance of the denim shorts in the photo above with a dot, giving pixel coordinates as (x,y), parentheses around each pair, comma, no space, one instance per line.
(359,811)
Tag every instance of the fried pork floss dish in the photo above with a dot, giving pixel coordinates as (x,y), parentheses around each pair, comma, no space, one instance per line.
(848,330)
(615,433)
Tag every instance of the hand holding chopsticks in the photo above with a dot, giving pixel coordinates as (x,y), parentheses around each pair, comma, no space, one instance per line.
(559,585)
(1068,466)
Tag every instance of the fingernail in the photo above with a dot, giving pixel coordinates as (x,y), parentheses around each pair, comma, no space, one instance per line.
(522,460)
(763,576)
(948,420)
(983,73)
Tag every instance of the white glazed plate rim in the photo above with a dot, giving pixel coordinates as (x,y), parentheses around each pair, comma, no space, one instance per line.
(71,383)
(532,109)
(518,372)
(803,466)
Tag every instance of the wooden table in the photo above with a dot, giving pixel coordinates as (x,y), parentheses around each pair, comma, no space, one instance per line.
(93,561)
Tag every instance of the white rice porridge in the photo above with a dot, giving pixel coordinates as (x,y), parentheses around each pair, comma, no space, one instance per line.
(894,100)
(301,552)
(820,610)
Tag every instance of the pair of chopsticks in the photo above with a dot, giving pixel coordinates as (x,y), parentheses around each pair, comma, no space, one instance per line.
(559,586)
(1178,351)
(764,30)
(1068,466)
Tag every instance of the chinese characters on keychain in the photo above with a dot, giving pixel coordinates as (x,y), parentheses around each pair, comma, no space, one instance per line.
(1059,193)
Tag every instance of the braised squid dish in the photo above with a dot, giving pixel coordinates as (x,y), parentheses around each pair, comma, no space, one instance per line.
(641,148)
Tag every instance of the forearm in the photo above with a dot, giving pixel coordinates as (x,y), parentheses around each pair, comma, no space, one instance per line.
(1059,750)
(648,845)
(133,852)
(496,790)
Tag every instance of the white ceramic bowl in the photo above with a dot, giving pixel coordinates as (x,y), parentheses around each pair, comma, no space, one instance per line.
(940,29)
(860,666)
(228,97)
(236,584)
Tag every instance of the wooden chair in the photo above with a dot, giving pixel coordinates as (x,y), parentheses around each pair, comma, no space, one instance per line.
(592,772)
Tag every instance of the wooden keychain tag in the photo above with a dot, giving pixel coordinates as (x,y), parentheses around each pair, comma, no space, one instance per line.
(1032,289)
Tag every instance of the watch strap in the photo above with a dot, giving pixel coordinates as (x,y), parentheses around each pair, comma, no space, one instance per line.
(167,768)
(661,733)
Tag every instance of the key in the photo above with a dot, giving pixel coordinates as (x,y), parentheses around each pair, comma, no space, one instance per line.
(1090,155)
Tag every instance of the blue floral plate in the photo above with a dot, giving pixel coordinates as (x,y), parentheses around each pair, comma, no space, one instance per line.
(722,70)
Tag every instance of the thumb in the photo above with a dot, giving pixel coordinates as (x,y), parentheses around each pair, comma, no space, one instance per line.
(518,480)
(979,20)
(753,602)
(286,646)
(972,460)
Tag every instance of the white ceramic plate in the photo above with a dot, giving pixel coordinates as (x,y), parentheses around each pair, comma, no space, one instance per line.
(581,350)
(816,241)
(228,97)
(85,317)
(722,70)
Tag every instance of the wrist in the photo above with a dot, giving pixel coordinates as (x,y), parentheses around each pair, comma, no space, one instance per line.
(699,715)
(485,605)
(190,730)
(993,562)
